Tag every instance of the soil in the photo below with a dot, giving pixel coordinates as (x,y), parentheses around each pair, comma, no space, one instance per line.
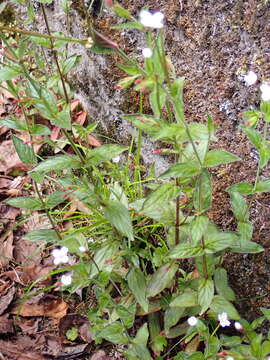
(211,43)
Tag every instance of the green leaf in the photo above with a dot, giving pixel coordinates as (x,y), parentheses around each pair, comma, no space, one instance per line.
(70,63)
(128,25)
(62,118)
(118,215)
(218,241)
(72,334)
(185,250)
(202,196)
(129,69)
(266,313)
(243,188)
(161,279)
(137,284)
(205,294)
(39,129)
(126,314)
(262,186)
(220,305)
(188,298)
(100,49)
(254,136)
(24,151)
(188,169)
(157,100)
(198,227)
(172,316)
(221,284)
(219,157)
(138,347)
(46,235)
(54,199)
(245,230)
(239,206)
(104,153)
(265,109)
(114,333)
(13,123)
(120,11)
(161,196)
(9,72)
(25,202)
(249,247)
(59,162)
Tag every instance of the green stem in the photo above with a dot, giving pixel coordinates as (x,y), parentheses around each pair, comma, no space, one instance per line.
(46,36)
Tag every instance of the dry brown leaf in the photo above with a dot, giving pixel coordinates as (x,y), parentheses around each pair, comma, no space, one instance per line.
(6,299)
(28,326)
(48,306)
(6,246)
(23,348)
(6,324)
(81,117)
(73,104)
(8,213)
(93,141)
(8,156)
(100,355)
(26,252)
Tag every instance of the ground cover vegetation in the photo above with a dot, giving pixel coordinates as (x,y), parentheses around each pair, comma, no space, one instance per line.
(142,246)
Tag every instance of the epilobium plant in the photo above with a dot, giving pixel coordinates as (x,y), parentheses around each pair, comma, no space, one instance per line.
(141,226)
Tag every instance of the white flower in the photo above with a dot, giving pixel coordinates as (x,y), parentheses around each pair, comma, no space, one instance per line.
(60,255)
(147,52)
(238,326)
(250,78)
(265,89)
(192,321)
(229,358)
(223,319)
(116,159)
(151,20)
(82,249)
(66,279)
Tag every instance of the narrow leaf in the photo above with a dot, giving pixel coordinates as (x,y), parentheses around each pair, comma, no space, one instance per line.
(161,196)
(24,151)
(218,157)
(220,305)
(188,298)
(205,294)
(188,169)
(137,284)
(46,235)
(185,250)
(221,284)
(202,196)
(25,202)
(118,215)
(161,279)
(198,227)
(104,153)
(60,162)
(239,206)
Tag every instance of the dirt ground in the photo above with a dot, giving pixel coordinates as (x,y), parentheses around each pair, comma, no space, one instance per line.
(212,44)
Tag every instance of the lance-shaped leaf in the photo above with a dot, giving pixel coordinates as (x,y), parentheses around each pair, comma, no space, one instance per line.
(137,284)
(13,123)
(161,279)
(118,215)
(46,235)
(185,250)
(24,151)
(249,247)
(220,305)
(187,169)
(59,162)
(160,197)
(221,284)
(104,153)
(219,157)
(205,293)
(188,298)
(202,196)
(218,241)
(114,333)
(9,72)
(25,202)
(198,227)
(239,206)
